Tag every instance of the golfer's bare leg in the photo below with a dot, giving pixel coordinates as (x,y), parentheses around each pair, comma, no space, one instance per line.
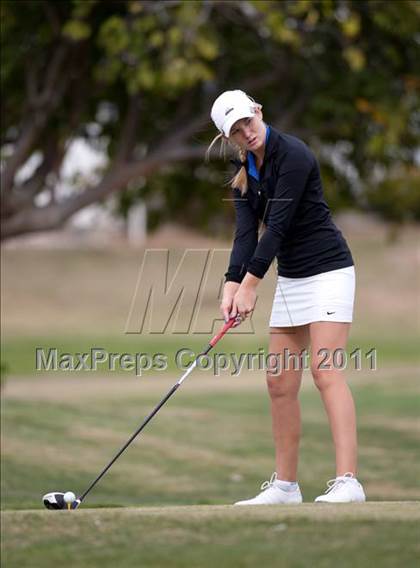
(335,393)
(283,389)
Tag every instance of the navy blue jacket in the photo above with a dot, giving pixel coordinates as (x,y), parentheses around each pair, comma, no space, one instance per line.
(288,198)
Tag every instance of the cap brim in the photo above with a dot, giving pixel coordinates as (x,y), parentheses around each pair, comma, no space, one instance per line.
(238,115)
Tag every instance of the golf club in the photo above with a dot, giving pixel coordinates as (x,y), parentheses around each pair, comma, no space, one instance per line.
(59,500)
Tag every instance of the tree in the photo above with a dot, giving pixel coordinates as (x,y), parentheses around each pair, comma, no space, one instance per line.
(137,80)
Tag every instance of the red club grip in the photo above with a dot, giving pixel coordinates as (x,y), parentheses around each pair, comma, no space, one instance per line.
(222,332)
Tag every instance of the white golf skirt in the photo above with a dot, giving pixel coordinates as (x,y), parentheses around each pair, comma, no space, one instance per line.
(328,296)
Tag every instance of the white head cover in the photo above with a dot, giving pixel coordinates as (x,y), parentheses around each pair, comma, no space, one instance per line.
(229,107)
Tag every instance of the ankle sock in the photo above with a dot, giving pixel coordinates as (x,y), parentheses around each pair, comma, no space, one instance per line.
(287,485)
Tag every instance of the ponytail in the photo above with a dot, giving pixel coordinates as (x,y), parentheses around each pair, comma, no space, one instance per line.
(240,180)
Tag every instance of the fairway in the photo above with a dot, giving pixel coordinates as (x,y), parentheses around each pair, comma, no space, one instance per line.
(294,535)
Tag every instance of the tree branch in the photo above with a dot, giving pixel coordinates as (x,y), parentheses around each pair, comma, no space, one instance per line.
(22,196)
(40,106)
(54,215)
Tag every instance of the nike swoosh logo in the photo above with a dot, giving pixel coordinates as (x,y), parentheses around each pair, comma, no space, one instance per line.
(329,313)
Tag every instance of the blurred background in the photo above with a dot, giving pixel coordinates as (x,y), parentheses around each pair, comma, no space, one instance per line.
(105,114)
(105,124)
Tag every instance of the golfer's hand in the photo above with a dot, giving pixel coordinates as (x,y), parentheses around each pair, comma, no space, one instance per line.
(244,302)
(229,291)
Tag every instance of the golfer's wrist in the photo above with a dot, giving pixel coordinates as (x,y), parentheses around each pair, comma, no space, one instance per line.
(230,287)
(250,281)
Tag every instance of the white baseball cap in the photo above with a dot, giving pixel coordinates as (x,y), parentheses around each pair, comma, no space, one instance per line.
(229,107)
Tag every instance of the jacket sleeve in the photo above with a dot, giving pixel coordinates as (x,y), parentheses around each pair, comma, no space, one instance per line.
(293,175)
(245,240)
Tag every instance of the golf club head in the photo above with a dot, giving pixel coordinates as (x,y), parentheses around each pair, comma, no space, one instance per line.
(55,501)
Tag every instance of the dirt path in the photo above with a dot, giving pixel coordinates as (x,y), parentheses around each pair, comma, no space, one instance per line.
(54,387)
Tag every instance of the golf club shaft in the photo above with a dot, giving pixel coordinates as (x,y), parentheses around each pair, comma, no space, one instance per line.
(211,344)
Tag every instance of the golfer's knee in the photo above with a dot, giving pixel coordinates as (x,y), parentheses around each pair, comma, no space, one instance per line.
(323,378)
(283,385)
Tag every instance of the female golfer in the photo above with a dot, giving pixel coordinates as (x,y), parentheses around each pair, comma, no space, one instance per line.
(278,182)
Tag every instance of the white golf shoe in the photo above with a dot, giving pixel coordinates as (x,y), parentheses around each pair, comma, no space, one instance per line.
(343,489)
(274,492)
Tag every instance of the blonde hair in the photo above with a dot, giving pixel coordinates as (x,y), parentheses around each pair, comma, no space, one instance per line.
(239,180)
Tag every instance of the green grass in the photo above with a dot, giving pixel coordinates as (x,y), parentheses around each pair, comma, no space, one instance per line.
(294,536)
